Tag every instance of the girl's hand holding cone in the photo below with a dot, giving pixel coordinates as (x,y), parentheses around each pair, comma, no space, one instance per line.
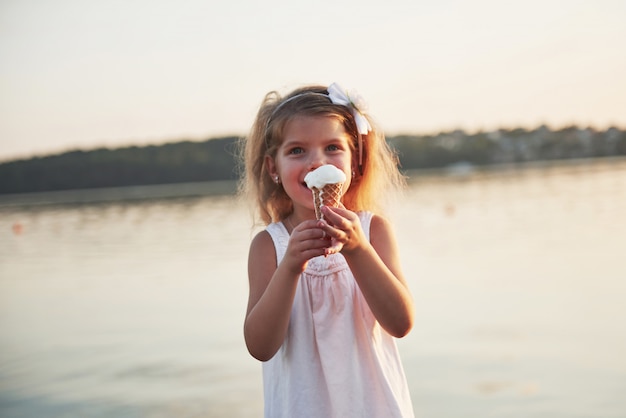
(343,228)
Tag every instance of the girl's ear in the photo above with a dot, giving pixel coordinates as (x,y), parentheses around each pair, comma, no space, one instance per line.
(355,168)
(270,165)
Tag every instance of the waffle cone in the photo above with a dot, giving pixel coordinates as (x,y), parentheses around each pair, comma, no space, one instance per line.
(329,195)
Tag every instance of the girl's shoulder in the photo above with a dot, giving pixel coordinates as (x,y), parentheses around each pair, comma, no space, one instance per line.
(379,221)
(262,247)
(381,229)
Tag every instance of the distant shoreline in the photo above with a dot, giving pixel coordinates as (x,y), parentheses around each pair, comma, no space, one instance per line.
(229,187)
(121,194)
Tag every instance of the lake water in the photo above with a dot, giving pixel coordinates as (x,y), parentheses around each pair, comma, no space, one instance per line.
(134,308)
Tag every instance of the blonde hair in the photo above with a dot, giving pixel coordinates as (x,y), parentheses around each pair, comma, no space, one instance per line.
(377,175)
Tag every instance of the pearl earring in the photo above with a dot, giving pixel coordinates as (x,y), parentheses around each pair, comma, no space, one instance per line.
(276,179)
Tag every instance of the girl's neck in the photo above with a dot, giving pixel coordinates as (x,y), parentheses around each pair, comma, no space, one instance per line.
(288,223)
(296,217)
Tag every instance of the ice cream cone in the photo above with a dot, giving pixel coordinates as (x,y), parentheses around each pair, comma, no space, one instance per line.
(329,195)
(326,183)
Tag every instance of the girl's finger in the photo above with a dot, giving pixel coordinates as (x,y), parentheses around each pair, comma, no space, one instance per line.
(334,249)
(332,217)
(329,231)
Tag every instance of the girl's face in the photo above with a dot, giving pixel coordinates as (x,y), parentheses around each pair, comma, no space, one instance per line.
(309,142)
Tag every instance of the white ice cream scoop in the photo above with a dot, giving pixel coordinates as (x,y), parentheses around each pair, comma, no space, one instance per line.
(323,175)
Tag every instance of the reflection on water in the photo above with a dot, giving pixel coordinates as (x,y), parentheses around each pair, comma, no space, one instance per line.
(135,308)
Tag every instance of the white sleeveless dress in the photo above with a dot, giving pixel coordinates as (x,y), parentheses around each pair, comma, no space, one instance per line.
(336,360)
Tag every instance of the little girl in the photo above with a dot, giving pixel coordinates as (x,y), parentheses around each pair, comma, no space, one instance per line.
(327,297)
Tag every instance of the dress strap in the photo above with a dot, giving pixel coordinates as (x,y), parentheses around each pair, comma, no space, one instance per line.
(366,221)
(280,236)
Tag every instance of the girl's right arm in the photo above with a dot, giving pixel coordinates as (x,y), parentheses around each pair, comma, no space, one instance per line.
(272,287)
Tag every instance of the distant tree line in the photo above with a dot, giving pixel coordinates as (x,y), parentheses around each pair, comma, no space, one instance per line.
(178,162)
(507,146)
(216,159)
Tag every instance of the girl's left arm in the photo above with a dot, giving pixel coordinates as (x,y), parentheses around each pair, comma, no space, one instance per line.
(376,268)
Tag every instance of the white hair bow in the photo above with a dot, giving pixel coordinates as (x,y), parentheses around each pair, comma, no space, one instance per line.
(354,101)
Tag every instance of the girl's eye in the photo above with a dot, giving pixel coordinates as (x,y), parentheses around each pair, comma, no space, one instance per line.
(333,147)
(296,150)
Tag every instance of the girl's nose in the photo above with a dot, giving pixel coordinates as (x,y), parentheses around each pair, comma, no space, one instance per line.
(317,160)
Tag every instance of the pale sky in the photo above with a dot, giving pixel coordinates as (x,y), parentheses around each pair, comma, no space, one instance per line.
(84,74)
